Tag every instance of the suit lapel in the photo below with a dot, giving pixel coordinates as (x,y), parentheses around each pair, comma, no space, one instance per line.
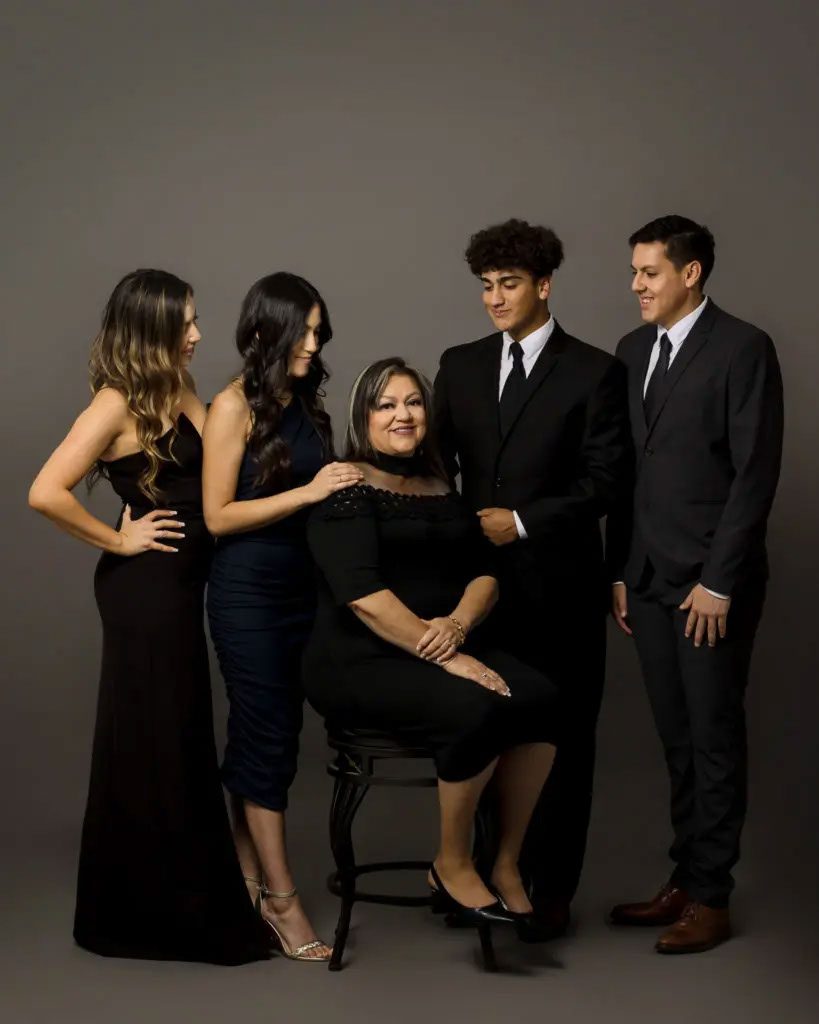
(546,362)
(487,385)
(690,349)
(637,383)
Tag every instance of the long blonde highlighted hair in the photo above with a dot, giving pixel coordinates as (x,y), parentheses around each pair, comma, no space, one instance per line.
(138,353)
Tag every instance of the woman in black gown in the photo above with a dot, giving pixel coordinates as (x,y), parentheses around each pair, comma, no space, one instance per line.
(406,579)
(158,874)
(267,448)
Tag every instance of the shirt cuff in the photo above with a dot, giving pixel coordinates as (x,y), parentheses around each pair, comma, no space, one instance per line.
(520,527)
(713,593)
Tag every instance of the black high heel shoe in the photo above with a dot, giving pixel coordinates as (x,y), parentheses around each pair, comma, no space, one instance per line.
(443,902)
(459,916)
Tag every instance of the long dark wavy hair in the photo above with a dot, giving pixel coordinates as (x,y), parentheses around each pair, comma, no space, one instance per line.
(365,394)
(273,319)
(138,353)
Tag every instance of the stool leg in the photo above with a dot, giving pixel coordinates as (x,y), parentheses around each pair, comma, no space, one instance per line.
(342,930)
(347,797)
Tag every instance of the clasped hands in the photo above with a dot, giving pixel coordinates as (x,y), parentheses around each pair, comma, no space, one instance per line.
(440,644)
(441,640)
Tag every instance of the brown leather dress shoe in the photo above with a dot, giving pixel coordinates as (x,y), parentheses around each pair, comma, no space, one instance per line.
(699,928)
(665,908)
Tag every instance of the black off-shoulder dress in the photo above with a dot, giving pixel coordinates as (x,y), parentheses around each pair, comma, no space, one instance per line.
(425,549)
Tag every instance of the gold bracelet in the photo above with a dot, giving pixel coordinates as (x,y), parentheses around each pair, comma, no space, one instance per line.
(460,628)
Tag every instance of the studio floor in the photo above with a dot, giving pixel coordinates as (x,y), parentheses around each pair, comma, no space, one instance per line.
(403,965)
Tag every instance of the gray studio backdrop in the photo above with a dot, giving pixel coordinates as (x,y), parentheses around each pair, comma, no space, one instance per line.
(360,144)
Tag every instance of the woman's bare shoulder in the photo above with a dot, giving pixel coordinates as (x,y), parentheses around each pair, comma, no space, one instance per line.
(231,400)
(109,406)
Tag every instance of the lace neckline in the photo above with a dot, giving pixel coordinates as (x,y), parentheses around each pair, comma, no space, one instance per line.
(400,494)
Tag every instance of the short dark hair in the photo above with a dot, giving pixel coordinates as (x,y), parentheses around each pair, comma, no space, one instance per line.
(368,388)
(515,243)
(684,241)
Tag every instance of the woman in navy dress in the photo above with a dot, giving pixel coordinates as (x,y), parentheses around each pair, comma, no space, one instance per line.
(268,447)
(158,875)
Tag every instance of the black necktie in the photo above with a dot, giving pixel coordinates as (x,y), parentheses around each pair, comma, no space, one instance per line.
(651,400)
(514,389)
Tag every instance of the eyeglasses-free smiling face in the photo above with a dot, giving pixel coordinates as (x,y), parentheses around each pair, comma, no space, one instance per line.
(515,301)
(301,355)
(190,333)
(398,423)
(666,294)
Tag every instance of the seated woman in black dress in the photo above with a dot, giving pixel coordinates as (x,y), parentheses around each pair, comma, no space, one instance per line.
(158,873)
(405,580)
(268,448)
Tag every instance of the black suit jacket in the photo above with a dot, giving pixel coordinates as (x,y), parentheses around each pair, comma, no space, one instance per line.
(706,468)
(561,465)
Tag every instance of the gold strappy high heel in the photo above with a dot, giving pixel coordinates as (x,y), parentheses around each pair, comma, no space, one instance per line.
(299,952)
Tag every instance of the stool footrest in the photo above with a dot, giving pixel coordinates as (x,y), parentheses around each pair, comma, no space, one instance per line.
(336,886)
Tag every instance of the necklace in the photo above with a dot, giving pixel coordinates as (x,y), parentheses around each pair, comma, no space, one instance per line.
(398,465)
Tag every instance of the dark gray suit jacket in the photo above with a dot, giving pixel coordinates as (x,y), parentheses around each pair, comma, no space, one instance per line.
(706,467)
(560,465)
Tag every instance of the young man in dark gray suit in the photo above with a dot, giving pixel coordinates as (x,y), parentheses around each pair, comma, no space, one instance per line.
(535,422)
(687,557)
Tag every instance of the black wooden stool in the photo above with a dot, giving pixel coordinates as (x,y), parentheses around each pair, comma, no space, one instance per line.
(353,768)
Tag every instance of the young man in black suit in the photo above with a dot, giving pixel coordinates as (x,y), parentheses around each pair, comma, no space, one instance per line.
(535,421)
(687,557)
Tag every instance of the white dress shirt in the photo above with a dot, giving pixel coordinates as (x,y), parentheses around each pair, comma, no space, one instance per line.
(533,344)
(676,335)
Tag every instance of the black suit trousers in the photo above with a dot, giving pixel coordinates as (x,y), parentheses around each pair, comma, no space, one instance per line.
(697,698)
(565,639)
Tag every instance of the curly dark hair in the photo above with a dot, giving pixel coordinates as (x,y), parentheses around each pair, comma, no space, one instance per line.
(515,243)
(272,320)
(684,239)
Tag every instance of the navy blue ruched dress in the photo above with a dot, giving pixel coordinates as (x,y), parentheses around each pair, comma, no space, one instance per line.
(261,605)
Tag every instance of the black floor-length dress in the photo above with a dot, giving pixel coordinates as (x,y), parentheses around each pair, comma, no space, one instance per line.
(158,874)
